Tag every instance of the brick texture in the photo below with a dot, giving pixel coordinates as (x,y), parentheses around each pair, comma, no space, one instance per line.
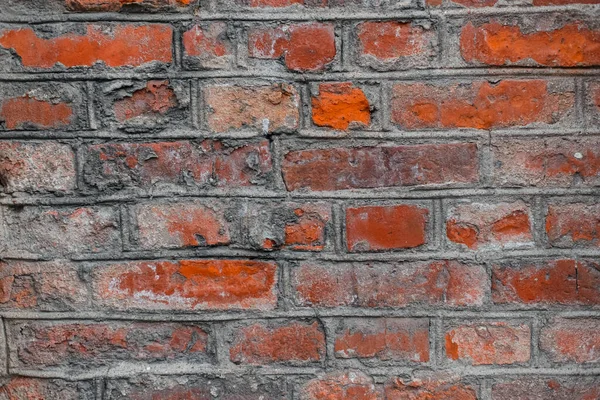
(300,199)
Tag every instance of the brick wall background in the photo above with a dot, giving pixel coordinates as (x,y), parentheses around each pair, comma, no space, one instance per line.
(300,199)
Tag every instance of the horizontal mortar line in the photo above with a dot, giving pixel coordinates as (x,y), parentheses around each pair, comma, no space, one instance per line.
(303,313)
(506,72)
(130,369)
(358,195)
(300,15)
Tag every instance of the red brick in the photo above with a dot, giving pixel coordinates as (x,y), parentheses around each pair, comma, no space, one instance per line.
(489,343)
(353,385)
(118,5)
(399,339)
(479,104)
(156,98)
(386,44)
(208,46)
(23,388)
(168,164)
(22,111)
(295,342)
(304,47)
(492,43)
(386,227)
(340,106)
(186,285)
(572,340)
(175,225)
(86,344)
(373,167)
(429,386)
(483,225)
(268,109)
(439,283)
(550,282)
(576,388)
(547,162)
(575,224)
(63,230)
(36,167)
(52,285)
(592,102)
(125,45)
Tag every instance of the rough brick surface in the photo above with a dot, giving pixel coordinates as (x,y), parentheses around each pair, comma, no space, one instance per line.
(299,199)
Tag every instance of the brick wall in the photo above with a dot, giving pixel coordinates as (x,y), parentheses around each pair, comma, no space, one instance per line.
(300,199)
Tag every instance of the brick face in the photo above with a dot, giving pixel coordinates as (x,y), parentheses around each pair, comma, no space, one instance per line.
(299,199)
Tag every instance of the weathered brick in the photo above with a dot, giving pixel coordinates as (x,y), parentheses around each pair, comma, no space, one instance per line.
(567,282)
(186,285)
(295,342)
(577,388)
(36,167)
(85,344)
(371,228)
(48,286)
(496,43)
(42,106)
(207,46)
(351,384)
(340,106)
(396,339)
(375,167)
(441,283)
(386,45)
(490,225)
(563,2)
(489,343)
(23,388)
(572,340)
(480,104)
(303,47)
(114,45)
(546,162)
(125,5)
(183,224)
(573,224)
(268,109)
(176,164)
(429,386)
(60,231)
(592,102)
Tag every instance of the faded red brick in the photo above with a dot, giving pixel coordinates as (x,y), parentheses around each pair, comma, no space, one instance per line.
(547,282)
(295,342)
(479,104)
(574,224)
(304,47)
(186,285)
(383,338)
(147,165)
(572,340)
(175,225)
(23,112)
(23,388)
(492,43)
(208,46)
(48,286)
(386,227)
(402,44)
(563,388)
(118,5)
(86,344)
(546,162)
(498,225)
(373,167)
(156,98)
(36,167)
(341,106)
(489,343)
(353,385)
(390,285)
(269,109)
(429,386)
(125,45)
